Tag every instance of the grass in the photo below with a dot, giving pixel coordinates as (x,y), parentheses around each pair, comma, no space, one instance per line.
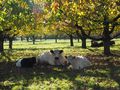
(104,75)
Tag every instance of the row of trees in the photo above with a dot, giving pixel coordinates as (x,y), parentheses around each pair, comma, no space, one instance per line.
(93,19)
(20,18)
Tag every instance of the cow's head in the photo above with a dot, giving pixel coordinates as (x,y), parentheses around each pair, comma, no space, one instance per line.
(56,53)
(70,59)
(58,57)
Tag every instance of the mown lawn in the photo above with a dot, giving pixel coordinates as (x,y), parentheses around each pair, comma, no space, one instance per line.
(103,75)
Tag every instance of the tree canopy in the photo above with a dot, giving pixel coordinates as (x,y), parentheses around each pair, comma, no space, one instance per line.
(93,19)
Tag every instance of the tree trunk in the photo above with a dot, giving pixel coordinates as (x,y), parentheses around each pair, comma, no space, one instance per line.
(45,37)
(78,39)
(106,44)
(71,40)
(10,43)
(40,38)
(83,42)
(33,39)
(1,45)
(27,38)
(5,40)
(106,36)
(21,38)
(56,39)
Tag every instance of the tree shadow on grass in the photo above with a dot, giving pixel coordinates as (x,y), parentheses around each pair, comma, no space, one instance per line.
(9,72)
(23,49)
(116,53)
(59,47)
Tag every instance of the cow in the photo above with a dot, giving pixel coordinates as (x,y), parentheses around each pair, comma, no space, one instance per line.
(53,57)
(78,62)
(27,62)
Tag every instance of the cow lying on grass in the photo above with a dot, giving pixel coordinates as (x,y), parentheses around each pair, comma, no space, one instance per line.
(78,62)
(27,62)
(52,57)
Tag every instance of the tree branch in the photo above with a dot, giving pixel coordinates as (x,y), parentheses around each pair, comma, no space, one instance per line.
(116,18)
(78,34)
(93,19)
(115,35)
(113,26)
(112,29)
(88,36)
(3,4)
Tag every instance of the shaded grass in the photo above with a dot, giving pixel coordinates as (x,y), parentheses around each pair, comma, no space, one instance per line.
(54,78)
(103,75)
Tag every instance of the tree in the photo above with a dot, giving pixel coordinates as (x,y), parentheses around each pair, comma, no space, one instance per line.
(67,13)
(38,14)
(14,15)
(104,16)
(98,20)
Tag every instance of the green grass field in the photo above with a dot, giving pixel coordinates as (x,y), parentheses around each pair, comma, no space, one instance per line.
(104,75)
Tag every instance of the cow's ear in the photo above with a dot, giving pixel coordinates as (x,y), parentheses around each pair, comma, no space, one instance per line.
(66,57)
(61,51)
(52,51)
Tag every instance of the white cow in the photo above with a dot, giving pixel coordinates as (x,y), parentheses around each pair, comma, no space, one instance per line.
(78,62)
(53,57)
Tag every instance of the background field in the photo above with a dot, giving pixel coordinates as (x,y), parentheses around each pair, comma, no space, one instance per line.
(104,75)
